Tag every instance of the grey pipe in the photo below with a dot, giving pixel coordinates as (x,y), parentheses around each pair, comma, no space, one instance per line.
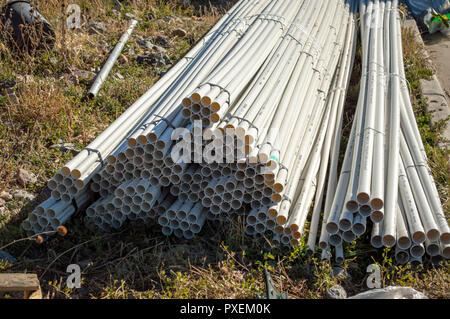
(103,74)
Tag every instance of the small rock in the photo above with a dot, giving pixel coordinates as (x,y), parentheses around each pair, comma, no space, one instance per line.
(157,48)
(64,147)
(391,292)
(336,292)
(149,45)
(25,178)
(179,33)
(77,75)
(22,195)
(7,84)
(97,27)
(154,59)
(339,272)
(2,202)
(119,76)
(4,256)
(5,196)
(162,41)
(144,43)
(131,16)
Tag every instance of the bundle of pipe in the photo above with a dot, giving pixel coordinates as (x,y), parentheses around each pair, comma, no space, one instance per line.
(145,150)
(71,182)
(385,175)
(76,174)
(274,126)
(318,121)
(299,54)
(52,213)
(230,188)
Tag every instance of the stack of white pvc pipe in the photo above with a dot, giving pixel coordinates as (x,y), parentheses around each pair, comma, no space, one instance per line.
(305,51)
(269,72)
(385,175)
(52,213)
(75,175)
(72,182)
(249,126)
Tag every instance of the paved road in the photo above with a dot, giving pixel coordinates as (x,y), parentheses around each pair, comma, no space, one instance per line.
(438,47)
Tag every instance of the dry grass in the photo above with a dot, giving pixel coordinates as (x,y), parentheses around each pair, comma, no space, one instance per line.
(47,104)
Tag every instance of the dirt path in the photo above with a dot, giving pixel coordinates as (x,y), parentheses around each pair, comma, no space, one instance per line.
(438,47)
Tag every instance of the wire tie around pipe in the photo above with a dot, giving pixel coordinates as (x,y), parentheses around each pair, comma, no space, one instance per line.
(245,19)
(222,88)
(311,47)
(160,118)
(320,91)
(415,166)
(399,76)
(299,27)
(245,120)
(286,198)
(216,32)
(235,23)
(310,40)
(283,167)
(273,17)
(235,29)
(333,28)
(375,130)
(380,66)
(398,11)
(309,54)
(100,158)
(289,35)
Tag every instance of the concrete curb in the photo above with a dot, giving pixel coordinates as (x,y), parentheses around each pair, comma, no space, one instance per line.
(432,90)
